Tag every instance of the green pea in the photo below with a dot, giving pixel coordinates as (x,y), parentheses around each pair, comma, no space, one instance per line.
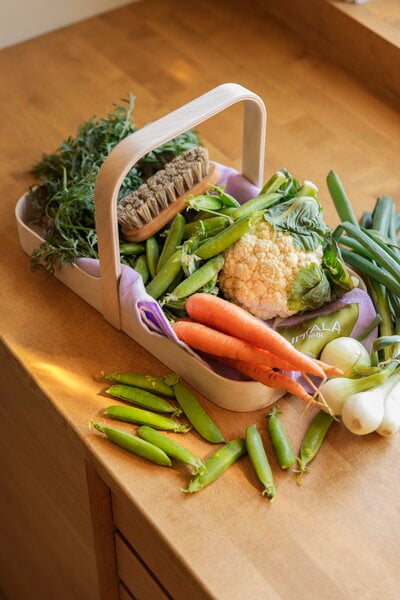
(312,441)
(197,416)
(171,448)
(152,255)
(131,248)
(198,279)
(142,268)
(144,417)
(280,441)
(134,444)
(172,241)
(215,245)
(259,460)
(219,462)
(261,202)
(151,383)
(142,398)
(165,275)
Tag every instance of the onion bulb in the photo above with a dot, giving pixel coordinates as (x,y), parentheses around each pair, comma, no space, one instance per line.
(336,391)
(348,354)
(363,412)
(391,415)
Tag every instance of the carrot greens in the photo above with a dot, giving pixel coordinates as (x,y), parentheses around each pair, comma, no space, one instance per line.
(64,196)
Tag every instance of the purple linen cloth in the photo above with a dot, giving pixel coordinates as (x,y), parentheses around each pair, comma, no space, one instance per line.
(136,303)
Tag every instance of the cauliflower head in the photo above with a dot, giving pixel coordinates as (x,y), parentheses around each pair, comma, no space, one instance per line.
(260,268)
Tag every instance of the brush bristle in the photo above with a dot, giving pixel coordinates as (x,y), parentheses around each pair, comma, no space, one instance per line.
(163,188)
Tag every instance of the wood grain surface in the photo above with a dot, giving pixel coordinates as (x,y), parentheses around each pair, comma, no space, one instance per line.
(336,536)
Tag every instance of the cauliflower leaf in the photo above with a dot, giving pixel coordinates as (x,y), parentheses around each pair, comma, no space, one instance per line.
(310,289)
(301,217)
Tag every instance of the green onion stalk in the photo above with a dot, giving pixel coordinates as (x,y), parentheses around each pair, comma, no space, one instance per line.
(371,247)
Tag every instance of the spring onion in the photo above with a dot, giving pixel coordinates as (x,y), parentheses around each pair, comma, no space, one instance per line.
(364,412)
(348,354)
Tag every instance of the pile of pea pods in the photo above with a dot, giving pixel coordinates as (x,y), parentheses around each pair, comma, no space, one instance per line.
(187,256)
(155,402)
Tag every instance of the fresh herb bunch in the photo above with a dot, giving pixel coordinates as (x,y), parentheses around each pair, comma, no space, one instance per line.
(64,197)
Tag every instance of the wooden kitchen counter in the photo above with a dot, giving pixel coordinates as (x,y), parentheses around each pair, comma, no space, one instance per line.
(81,519)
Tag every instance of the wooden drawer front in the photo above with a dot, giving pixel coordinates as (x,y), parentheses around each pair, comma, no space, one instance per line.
(175,577)
(135,575)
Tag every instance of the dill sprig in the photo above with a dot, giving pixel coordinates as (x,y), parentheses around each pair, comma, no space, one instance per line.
(64,196)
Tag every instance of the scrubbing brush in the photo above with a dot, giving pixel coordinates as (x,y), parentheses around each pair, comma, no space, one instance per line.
(144,212)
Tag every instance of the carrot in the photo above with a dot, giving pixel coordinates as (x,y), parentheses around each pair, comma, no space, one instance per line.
(234,320)
(216,343)
(329,369)
(271,378)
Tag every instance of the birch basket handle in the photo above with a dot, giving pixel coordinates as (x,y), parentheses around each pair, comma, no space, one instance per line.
(131,149)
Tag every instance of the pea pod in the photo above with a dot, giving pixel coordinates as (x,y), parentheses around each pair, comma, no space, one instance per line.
(204,202)
(217,244)
(165,275)
(205,227)
(172,241)
(151,383)
(152,255)
(142,268)
(261,202)
(219,462)
(144,417)
(259,460)
(312,441)
(226,199)
(134,444)
(197,416)
(171,448)
(131,248)
(142,398)
(280,441)
(198,279)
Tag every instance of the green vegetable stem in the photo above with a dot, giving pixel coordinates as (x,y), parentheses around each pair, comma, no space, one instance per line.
(134,444)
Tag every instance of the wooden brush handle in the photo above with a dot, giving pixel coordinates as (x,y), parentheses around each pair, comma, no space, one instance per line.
(163,217)
(131,149)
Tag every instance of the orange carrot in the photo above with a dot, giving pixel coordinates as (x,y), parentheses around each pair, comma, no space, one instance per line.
(236,321)
(213,342)
(271,378)
(329,369)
